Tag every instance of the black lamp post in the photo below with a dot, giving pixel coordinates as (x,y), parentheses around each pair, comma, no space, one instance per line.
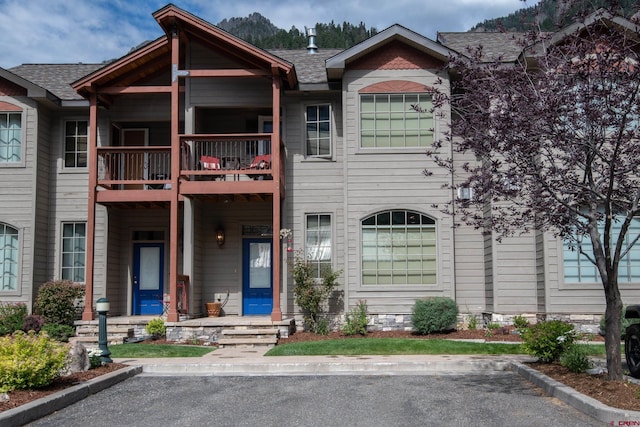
(102,307)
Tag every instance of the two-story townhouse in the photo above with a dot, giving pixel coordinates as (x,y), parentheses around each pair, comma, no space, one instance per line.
(161,181)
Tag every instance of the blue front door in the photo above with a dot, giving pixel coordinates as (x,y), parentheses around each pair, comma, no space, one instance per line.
(257,283)
(148,273)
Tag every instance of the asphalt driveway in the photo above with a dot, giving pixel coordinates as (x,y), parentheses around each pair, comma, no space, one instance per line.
(499,399)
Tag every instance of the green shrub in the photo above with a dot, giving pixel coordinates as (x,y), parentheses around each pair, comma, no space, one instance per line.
(29,361)
(575,359)
(548,340)
(356,320)
(12,317)
(156,327)
(310,294)
(94,357)
(58,302)
(434,315)
(32,323)
(624,323)
(59,332)
(520,322)
(491,328)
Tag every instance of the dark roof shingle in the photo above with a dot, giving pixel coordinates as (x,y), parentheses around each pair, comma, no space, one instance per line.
(56,78)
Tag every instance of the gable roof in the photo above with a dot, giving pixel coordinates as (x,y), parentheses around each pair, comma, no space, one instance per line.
(156,55)
(55,78)
(601,16)
(337,64)
(503,47)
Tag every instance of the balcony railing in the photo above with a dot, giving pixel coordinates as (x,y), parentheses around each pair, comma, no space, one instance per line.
(203,157)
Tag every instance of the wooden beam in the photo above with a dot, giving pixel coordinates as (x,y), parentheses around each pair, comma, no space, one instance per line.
(228,73)
(118,90)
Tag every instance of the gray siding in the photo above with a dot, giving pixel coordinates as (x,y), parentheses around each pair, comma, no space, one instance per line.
(376,181)
(18,195)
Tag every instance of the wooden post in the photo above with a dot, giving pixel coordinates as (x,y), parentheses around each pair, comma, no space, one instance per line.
(88,313)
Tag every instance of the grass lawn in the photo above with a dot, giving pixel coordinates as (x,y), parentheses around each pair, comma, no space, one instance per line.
(398,346)
(157,350)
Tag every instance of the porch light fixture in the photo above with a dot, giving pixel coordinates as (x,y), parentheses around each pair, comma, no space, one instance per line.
(102,307)
(220,236)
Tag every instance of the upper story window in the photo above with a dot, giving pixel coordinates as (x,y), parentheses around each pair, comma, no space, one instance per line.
(318,121)
(398,248)
(578,268)
(8,258)
(10,137)
(318,242)
(76,138)
(388,120)
(73,251)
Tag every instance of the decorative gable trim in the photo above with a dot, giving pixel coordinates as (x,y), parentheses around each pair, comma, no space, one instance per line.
(395,86)
(396,56)
(6,106)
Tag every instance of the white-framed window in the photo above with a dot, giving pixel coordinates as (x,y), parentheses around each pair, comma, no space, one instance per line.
(73,251)
(318,242)
(398,248)
(389,120)
(318,124)
(578,269)
(76,139)
(10,137)
(9,249)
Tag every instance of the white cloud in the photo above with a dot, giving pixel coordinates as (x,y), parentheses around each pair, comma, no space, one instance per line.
(57,31)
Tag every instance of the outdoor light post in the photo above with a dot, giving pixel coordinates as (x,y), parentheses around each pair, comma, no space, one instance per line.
(102,307)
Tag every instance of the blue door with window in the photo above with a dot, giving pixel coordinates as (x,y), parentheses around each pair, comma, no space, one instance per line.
(257,277)
(148,274)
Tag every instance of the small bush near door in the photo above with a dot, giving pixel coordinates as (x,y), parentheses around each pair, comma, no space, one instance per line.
(434,315)
(58,302)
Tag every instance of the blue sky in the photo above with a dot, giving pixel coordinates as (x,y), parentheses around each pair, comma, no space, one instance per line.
(69,31)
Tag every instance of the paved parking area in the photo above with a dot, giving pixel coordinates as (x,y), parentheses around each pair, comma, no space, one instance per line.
(498,399)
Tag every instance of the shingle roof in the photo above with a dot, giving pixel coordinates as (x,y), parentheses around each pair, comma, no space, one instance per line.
(56,78)
(310,68)
(504,46)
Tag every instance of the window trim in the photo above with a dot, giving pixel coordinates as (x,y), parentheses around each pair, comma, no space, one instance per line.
(61,266)
(23,140)
(332,237)
(308,156)
(437,286)
(18,289)
(390,149)
(64,144)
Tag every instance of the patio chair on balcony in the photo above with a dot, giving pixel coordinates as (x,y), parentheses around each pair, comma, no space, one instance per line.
(260,162)
(210,163)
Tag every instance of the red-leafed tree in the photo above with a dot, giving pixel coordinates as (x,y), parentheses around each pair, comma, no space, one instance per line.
(556,138)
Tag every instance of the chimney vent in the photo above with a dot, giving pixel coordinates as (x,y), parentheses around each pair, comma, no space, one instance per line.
(311,34)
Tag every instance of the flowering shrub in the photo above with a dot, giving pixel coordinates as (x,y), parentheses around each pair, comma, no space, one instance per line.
(12,317)
(30,360)
(548,340)
(312,296)
(94,357)
(58,302)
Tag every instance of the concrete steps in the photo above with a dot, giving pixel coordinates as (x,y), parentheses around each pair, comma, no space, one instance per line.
(259,337)
(88,334)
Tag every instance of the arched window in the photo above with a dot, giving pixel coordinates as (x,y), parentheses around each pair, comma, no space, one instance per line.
(398,248)
(8,258)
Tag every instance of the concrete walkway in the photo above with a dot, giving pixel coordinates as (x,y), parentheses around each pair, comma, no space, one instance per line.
(238,362)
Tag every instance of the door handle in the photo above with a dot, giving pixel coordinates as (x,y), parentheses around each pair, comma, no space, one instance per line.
(135,280)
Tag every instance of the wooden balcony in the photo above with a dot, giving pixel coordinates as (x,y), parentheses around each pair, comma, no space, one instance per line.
(209,164)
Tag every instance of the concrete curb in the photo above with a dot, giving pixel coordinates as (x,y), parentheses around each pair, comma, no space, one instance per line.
(579,401)
(56,401)
(342,366)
